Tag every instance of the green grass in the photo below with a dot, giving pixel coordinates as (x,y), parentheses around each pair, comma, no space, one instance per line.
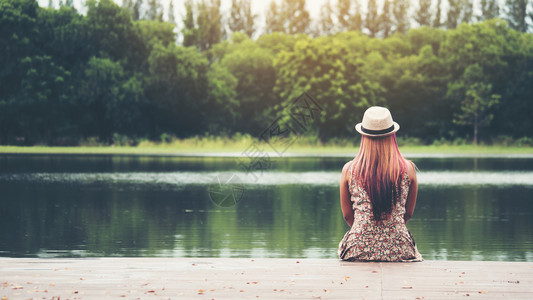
(237,145)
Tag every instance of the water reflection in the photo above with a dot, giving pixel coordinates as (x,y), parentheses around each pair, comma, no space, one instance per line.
(130,207)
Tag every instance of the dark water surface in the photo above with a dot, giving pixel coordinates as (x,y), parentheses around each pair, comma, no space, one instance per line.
(116,205)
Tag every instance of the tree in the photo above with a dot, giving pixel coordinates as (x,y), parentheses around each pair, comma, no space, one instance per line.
(325,24)
(69,3)
(155,11)
(454,14)
(209,24)
(136,9)
(516,14)
(356,19)
(249,18)
(437,23)
(401,18)
(386,20)
(372,18)
(332,70)
(475,108)
(343,14)
(467,11)
(236,22)
(189,31)
(274,19)
(110,28)
(50,3)
(296,16)
(241,17)
(171,16)
(423,13)
(489,10)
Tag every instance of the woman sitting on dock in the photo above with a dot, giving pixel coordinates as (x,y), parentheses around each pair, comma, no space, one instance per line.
(378,194)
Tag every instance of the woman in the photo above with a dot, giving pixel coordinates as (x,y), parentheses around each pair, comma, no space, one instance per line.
(378,195)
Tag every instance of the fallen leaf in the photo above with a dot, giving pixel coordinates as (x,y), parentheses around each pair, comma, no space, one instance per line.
(241,291)
(201,291)
(297,262)
(4,298)
(468,295)
(52,284)
(374,271)
(482,292)
(151,291)
(407,287)
(346,278)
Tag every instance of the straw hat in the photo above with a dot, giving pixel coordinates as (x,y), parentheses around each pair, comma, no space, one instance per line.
(377,121)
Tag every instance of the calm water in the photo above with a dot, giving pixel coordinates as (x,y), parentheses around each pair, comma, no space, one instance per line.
(80,206)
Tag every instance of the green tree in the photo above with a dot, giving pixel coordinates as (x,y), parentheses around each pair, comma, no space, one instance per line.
(109,29)
(296,15)
(241,17)
(437,23)
(467,11)
(251,63)
(516,14)
(423,13)
(489,10)
(401,18)
(274,18)
(171,16)
(332,70)
(236,22)
(154,11)
(356,19)
(136,9)
(177,90)
(372,22)
(478,100)
(343,8)
(189,31)
(209,24)
(454,13)
(386,18)
(325,25)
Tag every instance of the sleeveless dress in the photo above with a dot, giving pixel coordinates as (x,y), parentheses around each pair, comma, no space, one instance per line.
(386,240)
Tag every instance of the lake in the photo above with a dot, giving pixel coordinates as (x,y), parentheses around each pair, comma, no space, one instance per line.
(468,208)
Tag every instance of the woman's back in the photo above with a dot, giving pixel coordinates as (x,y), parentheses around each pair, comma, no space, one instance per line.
(377,240)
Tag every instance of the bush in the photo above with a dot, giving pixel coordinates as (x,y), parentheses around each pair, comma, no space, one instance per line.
(524,142)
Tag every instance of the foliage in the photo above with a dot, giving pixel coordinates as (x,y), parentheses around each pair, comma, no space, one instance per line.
(106,77)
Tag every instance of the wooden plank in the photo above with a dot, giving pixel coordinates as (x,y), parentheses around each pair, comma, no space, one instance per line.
(230,278)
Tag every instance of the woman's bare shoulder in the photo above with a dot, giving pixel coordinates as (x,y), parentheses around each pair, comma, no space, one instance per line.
(346,168)
(411,170)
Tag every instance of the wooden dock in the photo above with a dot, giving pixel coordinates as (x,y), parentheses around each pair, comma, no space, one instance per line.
(232,278)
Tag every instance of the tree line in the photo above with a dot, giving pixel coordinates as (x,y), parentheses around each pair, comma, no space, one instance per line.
(67,76)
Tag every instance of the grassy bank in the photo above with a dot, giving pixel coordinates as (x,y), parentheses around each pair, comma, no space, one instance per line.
(218,145)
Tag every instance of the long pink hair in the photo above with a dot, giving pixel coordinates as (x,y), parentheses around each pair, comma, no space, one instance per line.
(379,167)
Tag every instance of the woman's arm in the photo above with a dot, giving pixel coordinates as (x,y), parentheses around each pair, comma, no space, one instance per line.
(346,203)
(413,191)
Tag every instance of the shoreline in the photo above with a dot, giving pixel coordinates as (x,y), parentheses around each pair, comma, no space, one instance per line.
(407,151)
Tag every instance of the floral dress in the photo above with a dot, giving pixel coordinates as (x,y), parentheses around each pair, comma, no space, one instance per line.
(386,240)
